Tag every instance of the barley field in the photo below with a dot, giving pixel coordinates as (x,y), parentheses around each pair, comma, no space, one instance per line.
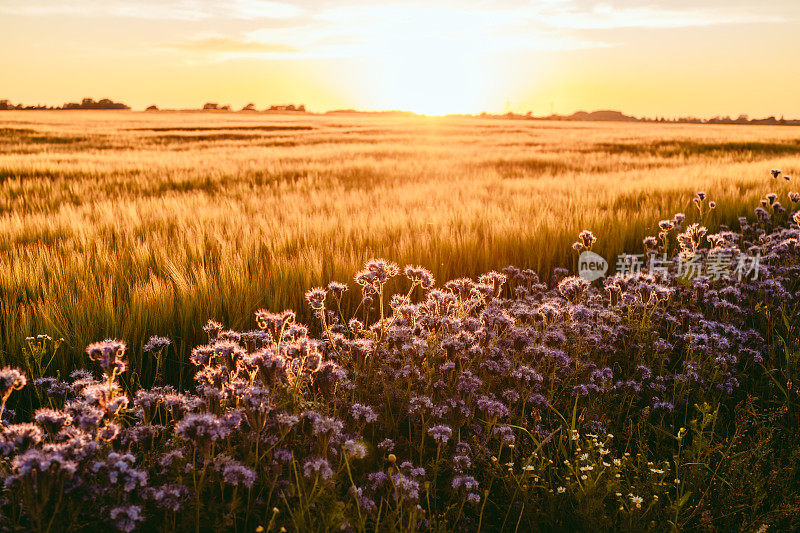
(124,225)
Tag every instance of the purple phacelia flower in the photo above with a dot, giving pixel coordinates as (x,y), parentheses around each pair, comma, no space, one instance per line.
(11,379)
(316,298)
(386,445)
(420,276)
(233,472)
(202,428)
(126,518)
(354,449)
(505,433)
(491,407)
(51,420)
(169,497)
(363,413)
(467,483)
(317,466)
(156,344)
(441,434)
(108,354)
(17,438)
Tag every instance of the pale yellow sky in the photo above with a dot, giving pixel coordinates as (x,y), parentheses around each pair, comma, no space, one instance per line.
(644,57)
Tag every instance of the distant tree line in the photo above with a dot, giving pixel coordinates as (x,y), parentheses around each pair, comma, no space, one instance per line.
(616,116)
(212,106)
(105,103)
(86,103)
(604,115)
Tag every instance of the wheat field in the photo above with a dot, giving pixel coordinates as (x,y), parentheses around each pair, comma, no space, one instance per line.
(121,224)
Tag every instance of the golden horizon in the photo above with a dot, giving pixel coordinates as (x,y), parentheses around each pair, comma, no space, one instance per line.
(659,58)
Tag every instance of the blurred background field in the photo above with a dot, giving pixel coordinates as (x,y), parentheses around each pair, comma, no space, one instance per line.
(120,224)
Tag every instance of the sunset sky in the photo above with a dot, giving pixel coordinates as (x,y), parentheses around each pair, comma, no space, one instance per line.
(657,57)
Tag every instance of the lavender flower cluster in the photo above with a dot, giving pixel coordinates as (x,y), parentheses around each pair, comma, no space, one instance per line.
(481,404)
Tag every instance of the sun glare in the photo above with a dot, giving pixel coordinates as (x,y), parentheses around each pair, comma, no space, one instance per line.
(433,82)
(426,71)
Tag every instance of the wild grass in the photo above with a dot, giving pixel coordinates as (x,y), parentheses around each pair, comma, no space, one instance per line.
(131,224)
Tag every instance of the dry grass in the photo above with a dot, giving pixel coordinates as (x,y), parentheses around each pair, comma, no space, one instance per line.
(131,224)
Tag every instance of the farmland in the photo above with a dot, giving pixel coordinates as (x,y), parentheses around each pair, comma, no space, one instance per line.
(129,224)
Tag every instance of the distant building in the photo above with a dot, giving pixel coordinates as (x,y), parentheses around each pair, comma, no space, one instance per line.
(210,106)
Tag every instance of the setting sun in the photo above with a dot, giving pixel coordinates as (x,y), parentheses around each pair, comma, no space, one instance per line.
(433,80)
